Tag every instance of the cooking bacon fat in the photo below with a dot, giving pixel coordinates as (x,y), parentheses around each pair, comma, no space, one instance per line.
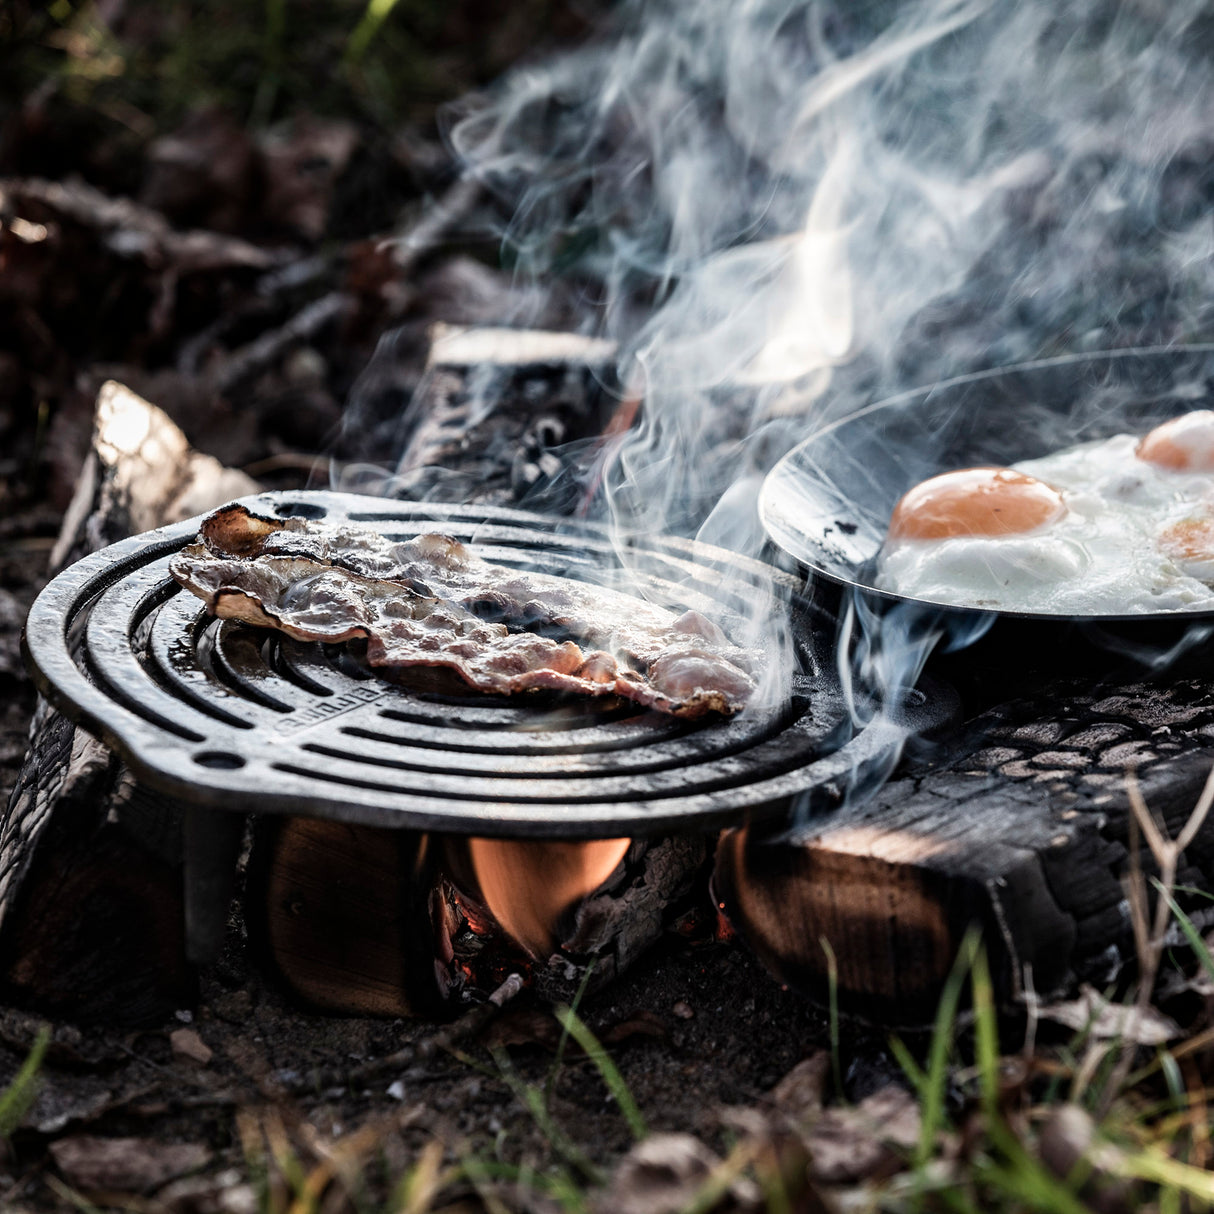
(428,601)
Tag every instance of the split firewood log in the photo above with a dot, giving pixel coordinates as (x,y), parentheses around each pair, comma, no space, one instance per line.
(92,912)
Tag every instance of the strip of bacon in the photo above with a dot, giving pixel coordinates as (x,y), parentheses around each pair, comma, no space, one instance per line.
(428,601)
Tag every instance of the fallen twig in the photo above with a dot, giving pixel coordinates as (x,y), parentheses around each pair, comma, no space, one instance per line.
(132,230)
(472,1022)
(261,353)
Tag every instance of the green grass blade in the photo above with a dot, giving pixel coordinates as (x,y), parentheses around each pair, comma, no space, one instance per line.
(570,1020)
(1026,1178)
(16,1099)
(1191,934)
(936,1079)
(479,1178)
(1156,1167)
(74,1200)
(558,1186)
(906,1060)
(563,1043)
(832,976)
(532,1099)
(709,1196)
(1170,1069)
(986,1032)
(374,15)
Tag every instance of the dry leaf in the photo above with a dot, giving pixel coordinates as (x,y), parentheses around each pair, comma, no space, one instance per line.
(640,1024)
(524,1026)
(866,1141)
(800,1092)
(124,1165)
(186,1043)
(665,1173)
(1067,1141)
(1107,1021)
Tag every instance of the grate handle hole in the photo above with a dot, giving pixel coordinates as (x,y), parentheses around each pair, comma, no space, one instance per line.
(300,510)
(224,760)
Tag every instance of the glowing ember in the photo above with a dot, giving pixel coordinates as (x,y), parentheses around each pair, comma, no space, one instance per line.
(528,886)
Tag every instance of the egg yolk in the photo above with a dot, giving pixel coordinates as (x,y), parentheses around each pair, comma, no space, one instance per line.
(975,501)
(1185,444)
(1192,539)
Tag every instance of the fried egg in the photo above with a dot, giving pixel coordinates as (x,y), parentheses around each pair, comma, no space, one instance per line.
(1115,527)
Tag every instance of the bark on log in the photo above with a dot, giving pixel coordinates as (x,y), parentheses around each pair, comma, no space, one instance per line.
(92,910)
(1024,831)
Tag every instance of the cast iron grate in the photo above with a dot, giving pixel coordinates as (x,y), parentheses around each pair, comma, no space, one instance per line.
(222,715)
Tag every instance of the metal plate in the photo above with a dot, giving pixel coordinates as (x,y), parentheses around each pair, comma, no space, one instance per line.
(828,501)
(222,715)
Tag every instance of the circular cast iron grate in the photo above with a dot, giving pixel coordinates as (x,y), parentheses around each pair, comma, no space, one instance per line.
(223,715)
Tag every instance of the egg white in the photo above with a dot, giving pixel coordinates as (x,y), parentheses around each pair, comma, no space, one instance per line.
(1101,557)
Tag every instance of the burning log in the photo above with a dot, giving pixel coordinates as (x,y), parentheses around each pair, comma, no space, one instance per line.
(370,921)
(1023,831)
(528,887)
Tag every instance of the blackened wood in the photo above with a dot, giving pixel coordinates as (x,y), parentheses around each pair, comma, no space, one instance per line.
(595,937)
(92,916)
(92,909)
(607,932)
(1022,830)
(497,412)
(211,844)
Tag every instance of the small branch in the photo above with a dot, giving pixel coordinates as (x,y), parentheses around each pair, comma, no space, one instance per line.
(436,220)
(472,1022)
(253,358)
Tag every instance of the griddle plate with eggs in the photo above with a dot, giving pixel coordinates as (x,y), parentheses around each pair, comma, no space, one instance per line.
(1120,526)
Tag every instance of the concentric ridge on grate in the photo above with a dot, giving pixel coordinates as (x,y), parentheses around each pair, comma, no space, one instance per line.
(224,715)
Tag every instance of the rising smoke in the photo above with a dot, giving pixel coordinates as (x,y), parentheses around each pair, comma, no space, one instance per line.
(783,209)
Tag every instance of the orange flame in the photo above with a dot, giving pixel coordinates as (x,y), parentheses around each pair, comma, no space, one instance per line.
(527,886)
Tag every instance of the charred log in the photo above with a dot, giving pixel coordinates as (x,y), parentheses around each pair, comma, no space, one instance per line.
(1024,831)
(498,413)
(95,881)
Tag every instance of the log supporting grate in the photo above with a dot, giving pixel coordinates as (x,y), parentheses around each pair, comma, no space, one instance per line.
(222,719)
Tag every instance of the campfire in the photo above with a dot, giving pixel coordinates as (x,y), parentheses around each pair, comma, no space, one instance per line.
(607,608)
(415,842)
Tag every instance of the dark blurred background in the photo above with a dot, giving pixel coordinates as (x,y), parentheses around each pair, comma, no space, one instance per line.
(180,180)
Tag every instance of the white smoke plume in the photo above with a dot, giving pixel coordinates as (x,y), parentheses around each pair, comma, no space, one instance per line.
(784,209)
